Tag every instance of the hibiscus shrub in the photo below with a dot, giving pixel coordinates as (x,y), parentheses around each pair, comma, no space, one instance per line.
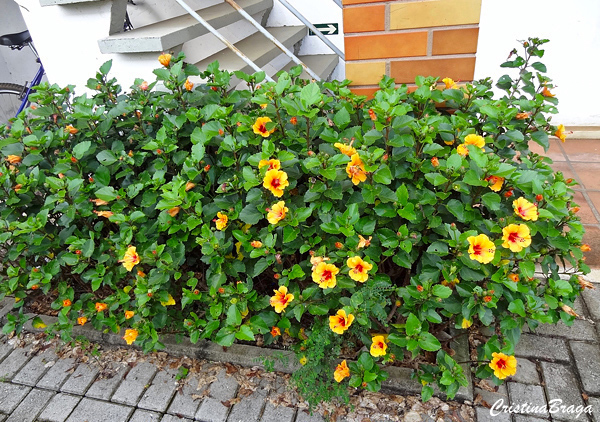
(356,231)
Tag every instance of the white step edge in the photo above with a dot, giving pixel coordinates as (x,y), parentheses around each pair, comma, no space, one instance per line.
(161,36)
(257,47)
(322,64)
(62,2)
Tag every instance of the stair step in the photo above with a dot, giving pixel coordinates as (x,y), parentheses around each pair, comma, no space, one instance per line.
(161,36)
(61,2)
(321,64)
(258,49)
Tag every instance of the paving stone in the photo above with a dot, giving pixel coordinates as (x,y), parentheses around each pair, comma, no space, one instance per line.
(303,416)
(183,403)
(89,410)
(250,408)
(484,415)
(158,396)
(491,397)
(59,408)
(57,374)
(35,369)
(277,414)
(5,306)
(212,410)
(5,350)
(224,388)
(592,300)
(13,362)
(595,403)
(11,395)
(104,388)
(532,346)
(132,387)
(171,418)
(562,385)
(526,372)
(587,357)
(580,330)
(521,418)
(145,416)
(31,406)
(80,380)
(530,395)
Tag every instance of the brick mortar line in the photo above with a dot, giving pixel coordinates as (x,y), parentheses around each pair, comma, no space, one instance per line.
(230,408)
(350,6)
(414,58)
(413,30)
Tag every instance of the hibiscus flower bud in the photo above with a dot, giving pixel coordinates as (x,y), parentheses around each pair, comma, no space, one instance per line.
(144,86)
(221,290)
(420,288)
(569,181)
(73,159)
(339,245)
(207,168)
(487,299)
(294,120)
(164,59)
(277,276)
(539,197)
(435,162)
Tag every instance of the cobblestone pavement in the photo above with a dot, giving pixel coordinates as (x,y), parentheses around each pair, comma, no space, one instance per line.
(557,365)
(43,380)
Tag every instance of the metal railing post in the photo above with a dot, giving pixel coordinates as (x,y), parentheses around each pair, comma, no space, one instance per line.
(217,34)
(275,41)
(313,28)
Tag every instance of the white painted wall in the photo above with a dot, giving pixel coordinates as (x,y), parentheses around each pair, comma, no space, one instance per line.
(316,11)
(16,66)
(572,55)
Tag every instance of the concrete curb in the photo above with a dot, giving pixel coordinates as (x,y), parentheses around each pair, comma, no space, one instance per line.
(399,381)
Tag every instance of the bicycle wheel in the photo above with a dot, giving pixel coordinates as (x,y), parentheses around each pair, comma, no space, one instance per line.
(10,100)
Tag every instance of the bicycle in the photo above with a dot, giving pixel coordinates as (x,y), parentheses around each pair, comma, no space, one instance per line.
(14,98)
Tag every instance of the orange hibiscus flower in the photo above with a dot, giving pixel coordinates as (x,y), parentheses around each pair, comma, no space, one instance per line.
(324,275)
(276,181)
(356,170)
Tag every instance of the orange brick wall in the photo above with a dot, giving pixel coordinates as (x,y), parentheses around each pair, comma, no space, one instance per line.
(406,38)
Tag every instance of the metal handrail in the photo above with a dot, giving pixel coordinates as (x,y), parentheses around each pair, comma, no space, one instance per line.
(217,34)
(313,28)
(274,40)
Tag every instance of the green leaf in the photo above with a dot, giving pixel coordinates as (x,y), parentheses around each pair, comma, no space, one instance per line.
(491,200)
(442,291)
(413,325)
(245,333)
(296,272)
(81,148)
(341,118)
(366,361)
(318,309)
(310,94)
(383,175)
(234,316)
(225,337)
(517,307)
(540,67)
(436,179)
(105,68)
(428,342)
(38,323)
(106,193)
(250,214)
(106,157)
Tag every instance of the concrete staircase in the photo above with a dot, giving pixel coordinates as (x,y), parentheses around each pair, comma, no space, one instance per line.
(202,48)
